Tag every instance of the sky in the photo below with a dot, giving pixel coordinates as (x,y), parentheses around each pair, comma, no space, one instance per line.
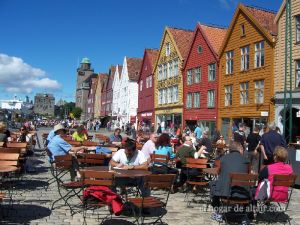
(43,41)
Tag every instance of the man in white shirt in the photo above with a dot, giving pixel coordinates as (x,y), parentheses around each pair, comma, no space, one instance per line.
(149,146)
(129,158)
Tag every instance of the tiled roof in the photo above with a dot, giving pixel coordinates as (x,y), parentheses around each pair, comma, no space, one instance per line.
(183,39)
(152,54)
(134,67)
(265,18)
(215,35)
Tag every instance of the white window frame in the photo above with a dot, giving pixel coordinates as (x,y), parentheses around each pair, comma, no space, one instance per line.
(189,76)
(150,81)
(147,80)
(211,95)
(259,86)
(244,93)
(169,95)
(160,96)
(165,71)
(297,70)
(228,95)
(297,22)
(229,62)
(176,67)
(259,54)
(170,68)
(168,49)
(212,72)
(159,72)
(245,58)
(141,86)
(189,100)
(175,94)
(197,75)
(196,101)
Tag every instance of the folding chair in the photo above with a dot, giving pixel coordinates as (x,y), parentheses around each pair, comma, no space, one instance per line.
(96,178)
(241,183)
(195,177)
(281,180)
(91,159)
(163,182)
(60,167)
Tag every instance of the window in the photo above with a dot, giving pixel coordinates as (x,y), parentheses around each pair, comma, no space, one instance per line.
(141,86)
(245,58)
(199,49)
(171,94)
(243,31)
(298,29)
(164,94)
(259,91)
(165,74)
(160,72)
(168,49)
(170,69)
(147,80)
(175,93)
(197,77)
(175,68)
(160,96)
(150,81)
(228,95)
(197,100)
(298,73)
(211,99)
(229,62)
(259,56)
(244,93)
(189,100)
(189,77)
(211,72)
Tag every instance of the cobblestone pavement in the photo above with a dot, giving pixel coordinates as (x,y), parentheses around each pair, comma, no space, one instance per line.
(32,203)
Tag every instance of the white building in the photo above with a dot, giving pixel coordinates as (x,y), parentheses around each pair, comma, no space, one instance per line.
(125,91)
(12,104)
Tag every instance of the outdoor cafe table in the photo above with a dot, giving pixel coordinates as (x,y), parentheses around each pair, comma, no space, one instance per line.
(8,169)
(120,172)
(212,172)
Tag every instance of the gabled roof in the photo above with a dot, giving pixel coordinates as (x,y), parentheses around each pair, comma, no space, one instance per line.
(215,35)
(152,55)
(182,39)
(134,67)
(261,18)
(280,11)
(265,17)
(120,70)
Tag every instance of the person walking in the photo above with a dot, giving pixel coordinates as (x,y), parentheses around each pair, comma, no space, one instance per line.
(253,145)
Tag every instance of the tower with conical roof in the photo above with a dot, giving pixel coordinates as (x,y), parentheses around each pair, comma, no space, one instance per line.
(84,74)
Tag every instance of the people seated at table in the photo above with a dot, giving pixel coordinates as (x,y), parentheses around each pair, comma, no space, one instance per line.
(24,137)
(58,146)
(163,146)
(279,166)
(129,157)
(116,137)
(3,136)
(221,141)
(234,162)
(49,137)
(149,147)
(205,144)
(79,134)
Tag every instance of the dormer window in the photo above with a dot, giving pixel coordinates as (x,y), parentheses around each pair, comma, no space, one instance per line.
(168,49)
(243,31)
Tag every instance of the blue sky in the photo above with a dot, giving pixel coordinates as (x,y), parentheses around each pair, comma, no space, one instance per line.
(42,41)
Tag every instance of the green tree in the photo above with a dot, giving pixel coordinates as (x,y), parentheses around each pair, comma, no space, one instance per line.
(77,112)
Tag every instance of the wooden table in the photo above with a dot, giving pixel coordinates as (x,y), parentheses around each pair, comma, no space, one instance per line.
(121,172)
(7,169)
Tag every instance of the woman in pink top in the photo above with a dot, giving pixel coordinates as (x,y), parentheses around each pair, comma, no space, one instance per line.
(279,193)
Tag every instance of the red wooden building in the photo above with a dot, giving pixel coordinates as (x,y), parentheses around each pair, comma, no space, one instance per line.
(145,111)
(200,80)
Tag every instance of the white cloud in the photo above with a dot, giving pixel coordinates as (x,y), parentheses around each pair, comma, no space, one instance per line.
(16,76)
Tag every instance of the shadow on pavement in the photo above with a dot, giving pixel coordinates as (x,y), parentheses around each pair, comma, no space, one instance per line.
(22,213)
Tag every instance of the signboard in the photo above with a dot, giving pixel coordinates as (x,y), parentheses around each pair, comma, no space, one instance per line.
(264,113)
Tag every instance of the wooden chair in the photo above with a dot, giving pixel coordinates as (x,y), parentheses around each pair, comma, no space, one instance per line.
(16,144)
(96,178)
(11,150)
(243,183)
(162,182)
(9,159)
(195,176)
(91,159)
(157,158)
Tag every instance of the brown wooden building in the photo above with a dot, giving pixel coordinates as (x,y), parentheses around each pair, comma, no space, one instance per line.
(246,85)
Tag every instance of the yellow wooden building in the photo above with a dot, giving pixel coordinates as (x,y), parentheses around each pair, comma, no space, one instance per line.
(168,86)
(246,81)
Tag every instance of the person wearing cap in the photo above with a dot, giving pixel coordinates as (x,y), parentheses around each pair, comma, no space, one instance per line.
(58,146)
